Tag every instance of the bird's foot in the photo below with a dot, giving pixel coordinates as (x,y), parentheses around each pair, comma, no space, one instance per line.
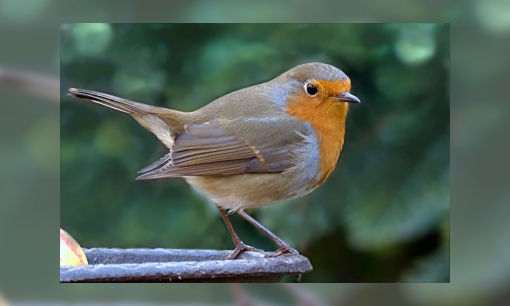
(240,248)
(281,251)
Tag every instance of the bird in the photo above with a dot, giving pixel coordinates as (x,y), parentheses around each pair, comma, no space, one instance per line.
(253,147)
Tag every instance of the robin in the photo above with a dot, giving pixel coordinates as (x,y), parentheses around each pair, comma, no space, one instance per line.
(253,147)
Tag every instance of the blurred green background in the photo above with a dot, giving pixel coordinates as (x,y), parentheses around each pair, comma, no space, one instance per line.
(383,216)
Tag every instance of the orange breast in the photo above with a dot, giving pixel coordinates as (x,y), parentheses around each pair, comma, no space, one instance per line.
(327,117)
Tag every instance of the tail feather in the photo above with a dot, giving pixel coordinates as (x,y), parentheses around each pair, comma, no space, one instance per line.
(162,122)
(114,102)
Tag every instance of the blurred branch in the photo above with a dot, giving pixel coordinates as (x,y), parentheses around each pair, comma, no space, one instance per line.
(39,85)
(241,298)
(301,296)
(304,297)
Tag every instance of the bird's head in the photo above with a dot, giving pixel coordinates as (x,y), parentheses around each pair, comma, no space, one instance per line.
(313,91)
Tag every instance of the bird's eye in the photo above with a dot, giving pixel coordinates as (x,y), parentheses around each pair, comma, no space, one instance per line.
(310,89)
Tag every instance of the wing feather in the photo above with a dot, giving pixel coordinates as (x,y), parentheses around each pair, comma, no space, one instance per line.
(210,149)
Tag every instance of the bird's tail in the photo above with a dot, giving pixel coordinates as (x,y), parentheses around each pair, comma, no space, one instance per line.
(163,122)
(114,102)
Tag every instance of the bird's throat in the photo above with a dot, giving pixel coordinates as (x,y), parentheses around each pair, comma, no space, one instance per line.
(328,122)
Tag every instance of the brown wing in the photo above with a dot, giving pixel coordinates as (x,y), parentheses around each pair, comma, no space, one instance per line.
(210,149)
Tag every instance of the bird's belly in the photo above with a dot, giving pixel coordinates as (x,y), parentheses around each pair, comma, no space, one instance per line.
(250,190)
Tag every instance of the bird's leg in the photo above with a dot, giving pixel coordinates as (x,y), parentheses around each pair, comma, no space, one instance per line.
(240,246)
(284,247)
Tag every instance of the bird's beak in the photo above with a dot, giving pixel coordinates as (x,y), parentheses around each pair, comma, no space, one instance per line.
(348,97)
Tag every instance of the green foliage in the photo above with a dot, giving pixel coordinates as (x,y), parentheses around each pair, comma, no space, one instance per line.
(386,202)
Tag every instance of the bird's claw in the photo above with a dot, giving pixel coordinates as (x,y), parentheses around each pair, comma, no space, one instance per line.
(282,251)
(240,248)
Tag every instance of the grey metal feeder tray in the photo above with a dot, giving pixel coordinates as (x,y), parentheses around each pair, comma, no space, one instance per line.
(168,265)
